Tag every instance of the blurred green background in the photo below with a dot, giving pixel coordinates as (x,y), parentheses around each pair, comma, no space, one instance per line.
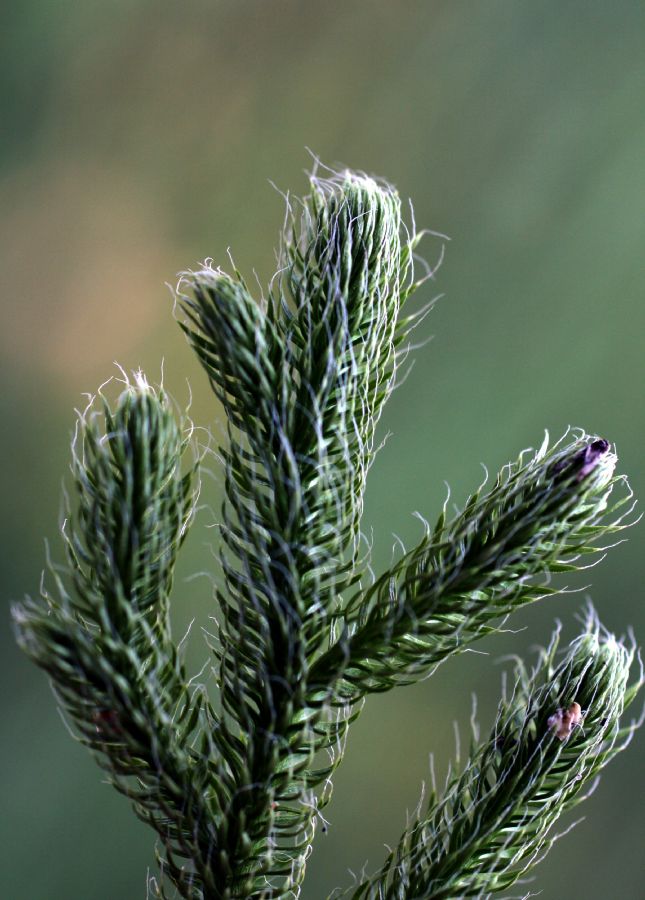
(139,138)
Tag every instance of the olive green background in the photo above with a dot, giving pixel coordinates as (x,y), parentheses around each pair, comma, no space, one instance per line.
(139,138)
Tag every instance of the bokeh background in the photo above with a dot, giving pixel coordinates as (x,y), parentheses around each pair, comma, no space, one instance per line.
(138,138)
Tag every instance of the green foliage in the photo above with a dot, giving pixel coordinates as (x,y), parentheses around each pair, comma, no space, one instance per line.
(106,643)
(304,634)
(496,815)
(494,557)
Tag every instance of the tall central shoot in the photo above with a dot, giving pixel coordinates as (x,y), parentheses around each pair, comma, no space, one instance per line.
(302,378)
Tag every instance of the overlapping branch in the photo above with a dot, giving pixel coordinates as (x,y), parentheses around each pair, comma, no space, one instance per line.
(302,378)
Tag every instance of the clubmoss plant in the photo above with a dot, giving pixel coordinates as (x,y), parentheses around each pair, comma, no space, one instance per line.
(233,786)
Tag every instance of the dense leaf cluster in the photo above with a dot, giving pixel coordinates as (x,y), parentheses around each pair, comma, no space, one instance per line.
(304,632)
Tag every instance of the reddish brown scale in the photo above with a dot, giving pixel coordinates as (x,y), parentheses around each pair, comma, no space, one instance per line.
(564,721)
